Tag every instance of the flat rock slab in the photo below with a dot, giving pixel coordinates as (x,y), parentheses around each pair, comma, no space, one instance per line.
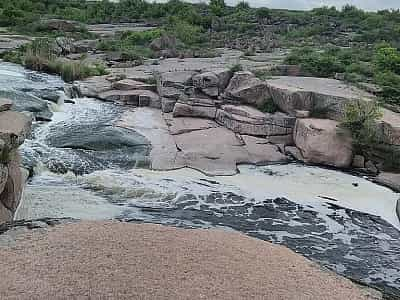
(321,95)
(140,261)
(150,123)
(93,86)
(185,125)
(196,143)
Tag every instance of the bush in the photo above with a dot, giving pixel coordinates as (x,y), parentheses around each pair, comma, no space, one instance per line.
(236,68)
(361,120)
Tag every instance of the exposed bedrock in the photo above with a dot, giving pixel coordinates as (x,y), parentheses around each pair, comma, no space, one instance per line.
(321,142)
(246,88)
(323,97)
(14,128)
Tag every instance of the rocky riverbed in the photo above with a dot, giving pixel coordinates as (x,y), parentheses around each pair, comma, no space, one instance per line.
(93,160)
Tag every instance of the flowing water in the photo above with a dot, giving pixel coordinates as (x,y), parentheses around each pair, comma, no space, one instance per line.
(84,167)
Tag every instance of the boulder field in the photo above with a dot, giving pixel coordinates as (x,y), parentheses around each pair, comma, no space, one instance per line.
(216,118)
(14,128)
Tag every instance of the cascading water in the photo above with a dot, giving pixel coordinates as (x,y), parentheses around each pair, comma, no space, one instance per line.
(85,167)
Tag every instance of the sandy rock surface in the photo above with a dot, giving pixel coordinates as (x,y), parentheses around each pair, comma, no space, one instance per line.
(112,260)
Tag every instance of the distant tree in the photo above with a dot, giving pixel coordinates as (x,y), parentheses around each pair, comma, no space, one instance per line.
(243,5)
(217,7)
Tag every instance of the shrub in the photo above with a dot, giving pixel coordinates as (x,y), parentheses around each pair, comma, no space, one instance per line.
(236,68)
(361,120)
(269,107)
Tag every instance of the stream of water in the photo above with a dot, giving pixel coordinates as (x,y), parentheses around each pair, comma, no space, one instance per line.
(86,168)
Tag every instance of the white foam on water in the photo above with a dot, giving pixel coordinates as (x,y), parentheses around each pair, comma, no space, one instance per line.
(301,184)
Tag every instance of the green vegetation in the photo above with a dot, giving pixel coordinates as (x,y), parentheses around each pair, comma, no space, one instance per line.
(361,119)
(40,56)
(355,45)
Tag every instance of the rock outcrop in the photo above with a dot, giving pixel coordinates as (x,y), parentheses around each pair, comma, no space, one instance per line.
(212,83)
(250,121)
(322,97)
(14,128)
(246,88)
(322,142)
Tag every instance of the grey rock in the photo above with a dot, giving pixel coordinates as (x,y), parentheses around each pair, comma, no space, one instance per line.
(130,97)
(321,142)
(129,84)
(323,97)
(371,168)
(5,104)
(167,105)
(358,161)
(192,109)
(250,121)
(246,88)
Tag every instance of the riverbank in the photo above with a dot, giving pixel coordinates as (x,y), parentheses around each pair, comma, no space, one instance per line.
(132,261)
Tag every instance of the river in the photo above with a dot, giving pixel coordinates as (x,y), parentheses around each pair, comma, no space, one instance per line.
(84,167)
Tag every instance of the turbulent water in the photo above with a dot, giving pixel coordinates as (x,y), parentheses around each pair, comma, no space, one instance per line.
(85,167)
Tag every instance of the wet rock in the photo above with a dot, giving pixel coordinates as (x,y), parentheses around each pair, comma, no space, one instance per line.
(358,161)
(129,84)
(98,138)
(250,121)
(246,88)
(323,97)
(23,102)
(5,104)
(320,142)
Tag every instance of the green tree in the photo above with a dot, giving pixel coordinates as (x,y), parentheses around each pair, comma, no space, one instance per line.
(217,7)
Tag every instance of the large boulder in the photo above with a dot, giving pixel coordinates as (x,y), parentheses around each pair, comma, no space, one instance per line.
(323,97)
(24,102)
(14,128)
(212,83)
(246,88)
(250,121)
(322,142)
(386,153)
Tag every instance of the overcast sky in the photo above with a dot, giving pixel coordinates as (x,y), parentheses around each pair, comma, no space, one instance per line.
(309,4)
